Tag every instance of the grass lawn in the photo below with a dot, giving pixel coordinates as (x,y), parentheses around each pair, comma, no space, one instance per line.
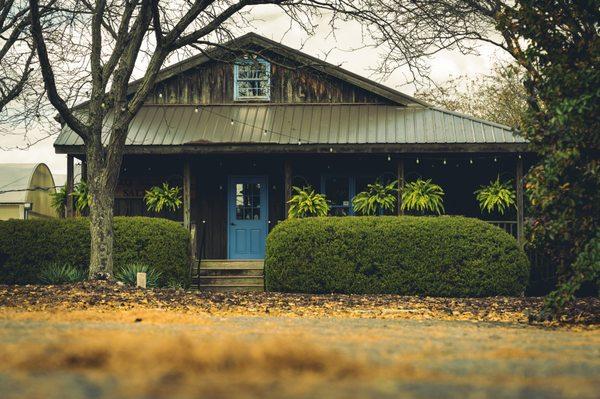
(111,342)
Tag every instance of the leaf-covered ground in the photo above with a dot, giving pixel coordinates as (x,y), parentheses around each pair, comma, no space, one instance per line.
(112,296)
(108,341)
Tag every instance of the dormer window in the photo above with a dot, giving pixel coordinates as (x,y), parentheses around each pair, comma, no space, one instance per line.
(252,80)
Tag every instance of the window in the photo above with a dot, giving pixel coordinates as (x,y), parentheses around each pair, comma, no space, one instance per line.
(247,201)
(252,80)
(340,189)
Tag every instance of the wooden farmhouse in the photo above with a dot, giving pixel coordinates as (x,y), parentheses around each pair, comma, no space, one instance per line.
(237,129)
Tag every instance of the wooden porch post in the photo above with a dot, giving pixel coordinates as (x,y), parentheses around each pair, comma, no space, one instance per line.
(69,186)
(287,185)
(84,171)
(520,201)
(187,194)
(400,178)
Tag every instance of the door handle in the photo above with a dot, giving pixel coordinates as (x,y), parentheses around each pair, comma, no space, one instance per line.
(233,224)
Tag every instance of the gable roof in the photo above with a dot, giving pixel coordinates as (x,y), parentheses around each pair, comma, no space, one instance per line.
(254,40)
(410,122)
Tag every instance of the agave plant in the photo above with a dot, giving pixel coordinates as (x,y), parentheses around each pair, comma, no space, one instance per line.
(81,196)
(422,196)
(164,196)
(128,274)
(305,202)
(497,196)
(59,273)
(59,201)
(375,198)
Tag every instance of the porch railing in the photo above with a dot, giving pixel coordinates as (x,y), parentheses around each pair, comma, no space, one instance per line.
(510,226)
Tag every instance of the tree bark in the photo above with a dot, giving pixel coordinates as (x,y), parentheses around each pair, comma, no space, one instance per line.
(101,232)
(101,215)
(103,166)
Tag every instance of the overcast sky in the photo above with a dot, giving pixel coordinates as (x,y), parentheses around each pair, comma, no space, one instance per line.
(443,66)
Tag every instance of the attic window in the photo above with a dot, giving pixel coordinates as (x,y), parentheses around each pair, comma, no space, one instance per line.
(252,80)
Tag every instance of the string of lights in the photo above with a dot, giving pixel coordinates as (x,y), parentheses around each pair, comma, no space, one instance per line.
(265,131)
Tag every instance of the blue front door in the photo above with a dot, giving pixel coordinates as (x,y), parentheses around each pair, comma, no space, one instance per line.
(247,224)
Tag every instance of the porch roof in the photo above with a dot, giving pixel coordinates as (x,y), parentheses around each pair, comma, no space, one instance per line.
(285,125)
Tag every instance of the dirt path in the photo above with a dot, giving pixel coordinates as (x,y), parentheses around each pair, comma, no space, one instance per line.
(159,353)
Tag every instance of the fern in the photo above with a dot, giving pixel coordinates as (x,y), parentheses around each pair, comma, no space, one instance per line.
(307,203)
(423,196)
(81,196)
(375,198)
(497,196)
(158,198)
(59,201)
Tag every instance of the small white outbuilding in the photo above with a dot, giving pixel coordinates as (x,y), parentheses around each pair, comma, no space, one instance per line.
(25,191)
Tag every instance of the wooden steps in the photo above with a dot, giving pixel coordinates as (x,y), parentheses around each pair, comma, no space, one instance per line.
(223,275)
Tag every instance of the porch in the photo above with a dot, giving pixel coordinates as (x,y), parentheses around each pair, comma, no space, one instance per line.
(221,191)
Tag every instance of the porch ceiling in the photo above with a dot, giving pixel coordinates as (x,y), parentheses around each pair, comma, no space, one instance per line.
(285,125)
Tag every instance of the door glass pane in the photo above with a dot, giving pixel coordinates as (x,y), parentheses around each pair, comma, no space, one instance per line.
(247,201)
(337,190)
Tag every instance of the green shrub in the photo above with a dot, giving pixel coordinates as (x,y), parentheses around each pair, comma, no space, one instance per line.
(28,245)
(128,274)
(61,273)
(409,255)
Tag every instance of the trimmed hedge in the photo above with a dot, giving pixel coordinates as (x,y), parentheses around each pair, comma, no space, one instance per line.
(28,245)
(437,256)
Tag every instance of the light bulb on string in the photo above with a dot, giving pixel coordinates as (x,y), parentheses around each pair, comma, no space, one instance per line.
(196,110)
(418,161)
(389,158)
(444,161)
(330,149)
(495,159)
(231,122)
(471,161)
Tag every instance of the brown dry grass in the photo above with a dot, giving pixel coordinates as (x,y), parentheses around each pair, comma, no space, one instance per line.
(170,354)
(158,365)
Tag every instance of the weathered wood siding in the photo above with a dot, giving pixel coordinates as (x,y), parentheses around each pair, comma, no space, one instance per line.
(212,83)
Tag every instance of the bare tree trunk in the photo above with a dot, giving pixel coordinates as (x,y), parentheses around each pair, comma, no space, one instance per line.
(101,231)
(102,176)
(101,215)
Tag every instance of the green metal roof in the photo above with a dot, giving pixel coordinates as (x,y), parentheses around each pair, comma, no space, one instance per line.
(307,124)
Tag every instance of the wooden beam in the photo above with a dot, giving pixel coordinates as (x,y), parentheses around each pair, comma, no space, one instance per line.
(187,194)
(400,178)
(253,148)
(69,211)
(520,201)
(287,184)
